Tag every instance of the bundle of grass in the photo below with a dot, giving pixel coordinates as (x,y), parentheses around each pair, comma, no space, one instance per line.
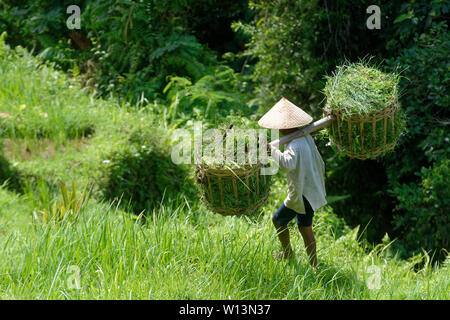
(368,118)
(233,187)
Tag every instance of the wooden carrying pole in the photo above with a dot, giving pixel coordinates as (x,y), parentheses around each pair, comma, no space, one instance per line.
(319,124)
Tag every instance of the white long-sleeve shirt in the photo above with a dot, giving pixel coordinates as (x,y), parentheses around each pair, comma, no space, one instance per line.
(305,172)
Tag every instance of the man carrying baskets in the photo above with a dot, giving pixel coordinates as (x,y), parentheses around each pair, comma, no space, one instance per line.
(305,171)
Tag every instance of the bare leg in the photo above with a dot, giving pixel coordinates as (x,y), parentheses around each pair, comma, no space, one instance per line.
(310,244)
(283,235)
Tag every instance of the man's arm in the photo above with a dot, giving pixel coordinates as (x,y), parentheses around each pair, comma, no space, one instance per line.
(287,159)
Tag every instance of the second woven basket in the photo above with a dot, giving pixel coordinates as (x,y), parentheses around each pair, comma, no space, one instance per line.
(229,191)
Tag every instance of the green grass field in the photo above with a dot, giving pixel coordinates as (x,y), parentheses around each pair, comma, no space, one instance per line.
(52,130)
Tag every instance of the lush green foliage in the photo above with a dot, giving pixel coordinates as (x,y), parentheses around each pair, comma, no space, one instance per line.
(213,96)
(422,160)
(55,131)
(128,48)
(202,254)
(296,43)
(425,224)
(114,168)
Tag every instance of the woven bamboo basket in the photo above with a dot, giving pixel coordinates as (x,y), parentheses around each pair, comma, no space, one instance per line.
(233,191)
(366,136)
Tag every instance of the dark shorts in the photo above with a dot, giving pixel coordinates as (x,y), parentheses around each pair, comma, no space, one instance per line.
(283,215)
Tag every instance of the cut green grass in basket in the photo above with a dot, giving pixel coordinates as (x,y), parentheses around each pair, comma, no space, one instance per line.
(234,187)
(364,100)
(234,192)
(369,142)
(359,88)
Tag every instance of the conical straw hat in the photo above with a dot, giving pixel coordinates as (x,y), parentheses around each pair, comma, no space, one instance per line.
(284,115)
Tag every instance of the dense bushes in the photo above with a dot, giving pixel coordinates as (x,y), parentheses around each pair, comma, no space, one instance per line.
(424,96)
(422,163)
(424,219)
(141,174)
(213,96)
(366,184)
